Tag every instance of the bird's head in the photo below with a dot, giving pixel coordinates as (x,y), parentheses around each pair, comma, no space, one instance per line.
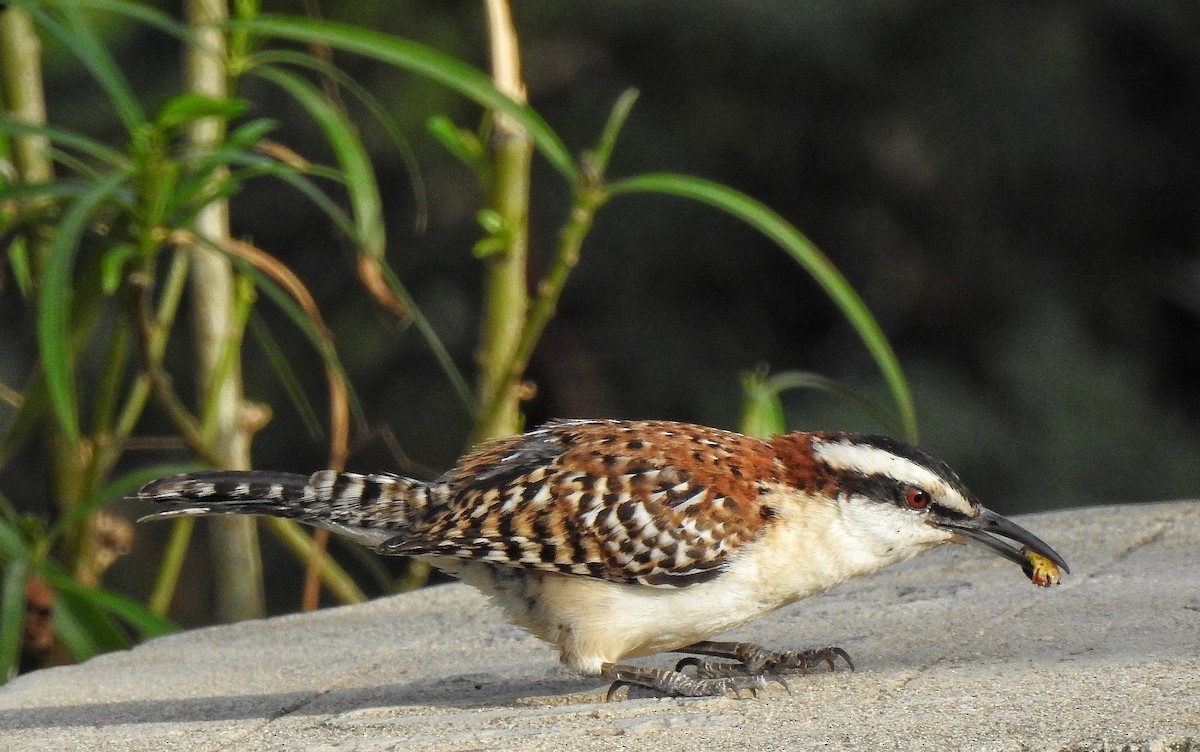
(904,500)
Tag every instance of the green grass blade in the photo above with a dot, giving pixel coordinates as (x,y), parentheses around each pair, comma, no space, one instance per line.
(367,100)
(115,489)
(440,353)
(78,37)
(352,156)
(803,251)
(256,165)
(300,319)
(54,304)
(12,544)
(22,192)
(66,138)
(360,180)
(762,410)
(282,366)
(758,385)
(84,630)
(425,61)
(106,603)
(139,12)
(601,155)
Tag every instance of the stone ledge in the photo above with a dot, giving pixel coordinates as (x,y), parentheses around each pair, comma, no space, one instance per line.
(955,650)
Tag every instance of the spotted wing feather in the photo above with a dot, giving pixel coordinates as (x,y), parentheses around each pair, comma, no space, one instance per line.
(658,503)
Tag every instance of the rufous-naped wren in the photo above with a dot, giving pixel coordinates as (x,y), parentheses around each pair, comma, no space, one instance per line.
(615,539)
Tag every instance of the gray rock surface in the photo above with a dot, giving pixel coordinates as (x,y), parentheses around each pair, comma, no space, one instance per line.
(955,650)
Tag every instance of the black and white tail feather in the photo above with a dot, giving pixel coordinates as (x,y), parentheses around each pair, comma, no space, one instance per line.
(368,508)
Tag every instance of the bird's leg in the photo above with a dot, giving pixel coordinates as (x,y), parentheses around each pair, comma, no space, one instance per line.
(753,660)
(645,681)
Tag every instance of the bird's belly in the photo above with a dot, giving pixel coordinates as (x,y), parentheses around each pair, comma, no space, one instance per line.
(595,621)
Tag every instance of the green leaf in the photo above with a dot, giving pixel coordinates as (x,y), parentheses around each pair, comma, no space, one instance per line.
(114,489)
(112,266)
(281,298)
(30,192)
(139,12)
(460,142)
(12,616)
(22,270)
(282,366)
(269,167)
(8,521)
(601,155)
(351,155)
(188,107)
(762,410)
(102,603)
(66,138)
(364,195)
(247,135)
(78,37)
(489,246)
(461,388)
(803,251)
(816,382)
(491,221)
(382,116)
(498,237)
(12,543)
(84,630)
(54,304)
(424,61)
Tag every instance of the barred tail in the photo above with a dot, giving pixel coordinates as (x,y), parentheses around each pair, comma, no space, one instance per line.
(371,508)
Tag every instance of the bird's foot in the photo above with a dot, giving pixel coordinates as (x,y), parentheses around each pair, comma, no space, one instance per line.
(643,681)
(754,660)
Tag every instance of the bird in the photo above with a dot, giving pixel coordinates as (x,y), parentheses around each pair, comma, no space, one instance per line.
(616,539)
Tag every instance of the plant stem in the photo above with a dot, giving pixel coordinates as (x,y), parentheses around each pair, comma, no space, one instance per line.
(25,102)
(507,298)
(152,334)
(172,564)
(583,213)
(302,545)
(237,567)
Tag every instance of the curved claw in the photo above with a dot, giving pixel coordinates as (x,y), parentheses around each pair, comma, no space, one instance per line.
(844,655)
(614,688)
(737,690)
(804,660)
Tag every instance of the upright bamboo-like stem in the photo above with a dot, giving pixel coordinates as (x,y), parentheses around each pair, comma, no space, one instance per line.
(25,102)
(24,98)
(507,298)
(237,568)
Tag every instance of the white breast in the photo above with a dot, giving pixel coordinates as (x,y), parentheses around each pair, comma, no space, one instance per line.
(809,547)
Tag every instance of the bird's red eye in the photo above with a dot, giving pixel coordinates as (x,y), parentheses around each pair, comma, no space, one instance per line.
(916,498)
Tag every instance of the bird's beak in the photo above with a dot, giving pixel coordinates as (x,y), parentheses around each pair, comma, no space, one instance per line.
(984,526)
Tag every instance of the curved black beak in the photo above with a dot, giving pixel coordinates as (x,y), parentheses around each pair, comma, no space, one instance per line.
(982,527)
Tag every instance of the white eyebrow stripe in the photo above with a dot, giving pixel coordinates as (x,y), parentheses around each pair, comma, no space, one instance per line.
(871,460)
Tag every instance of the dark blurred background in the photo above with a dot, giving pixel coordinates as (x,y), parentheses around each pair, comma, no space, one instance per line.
(1014,187)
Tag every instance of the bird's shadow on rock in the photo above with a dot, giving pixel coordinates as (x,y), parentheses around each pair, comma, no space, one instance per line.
(450,692)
